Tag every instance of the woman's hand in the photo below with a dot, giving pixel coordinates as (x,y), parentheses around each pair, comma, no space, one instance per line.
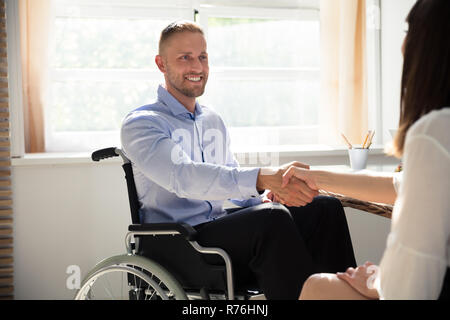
(289,172)
(296,194)
(361,279)
(305,175)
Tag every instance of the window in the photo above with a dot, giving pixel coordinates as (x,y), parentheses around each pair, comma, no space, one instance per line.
(264,68)
(265,74)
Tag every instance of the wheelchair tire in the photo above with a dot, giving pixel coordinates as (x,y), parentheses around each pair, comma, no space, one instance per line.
(135,277)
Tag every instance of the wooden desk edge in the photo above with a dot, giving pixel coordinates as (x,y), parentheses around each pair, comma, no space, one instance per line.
(378,209)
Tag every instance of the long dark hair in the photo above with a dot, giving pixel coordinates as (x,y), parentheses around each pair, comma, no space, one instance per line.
(426,67)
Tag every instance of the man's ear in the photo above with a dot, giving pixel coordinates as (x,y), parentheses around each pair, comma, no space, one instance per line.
(160,63)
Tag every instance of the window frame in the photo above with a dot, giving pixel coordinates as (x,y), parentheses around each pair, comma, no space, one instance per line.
(17,116)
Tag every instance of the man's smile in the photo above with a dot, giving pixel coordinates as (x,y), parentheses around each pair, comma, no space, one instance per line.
(194,78)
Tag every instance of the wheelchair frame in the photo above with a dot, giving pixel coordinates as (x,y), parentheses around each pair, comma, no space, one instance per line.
(196,246)
(154,229)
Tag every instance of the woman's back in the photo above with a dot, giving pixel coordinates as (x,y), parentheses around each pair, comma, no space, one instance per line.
(418,250)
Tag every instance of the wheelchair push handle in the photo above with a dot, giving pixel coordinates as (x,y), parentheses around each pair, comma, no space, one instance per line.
(104,154)
(109,153)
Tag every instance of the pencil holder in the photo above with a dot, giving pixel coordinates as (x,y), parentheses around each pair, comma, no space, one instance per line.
(358,158)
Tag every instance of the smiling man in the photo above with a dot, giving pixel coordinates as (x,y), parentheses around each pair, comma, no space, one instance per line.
(184,61)
(184,171)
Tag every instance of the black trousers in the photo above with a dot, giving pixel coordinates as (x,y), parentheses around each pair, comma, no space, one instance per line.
(282,246)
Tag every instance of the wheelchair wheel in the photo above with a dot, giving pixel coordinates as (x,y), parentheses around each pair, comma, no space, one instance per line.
(130,277)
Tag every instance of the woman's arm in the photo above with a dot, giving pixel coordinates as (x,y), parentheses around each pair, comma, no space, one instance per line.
(373,187)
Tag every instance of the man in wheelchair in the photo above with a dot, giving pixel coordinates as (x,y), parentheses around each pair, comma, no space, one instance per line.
(184,170)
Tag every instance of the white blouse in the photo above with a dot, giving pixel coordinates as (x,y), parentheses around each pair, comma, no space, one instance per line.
(418,247)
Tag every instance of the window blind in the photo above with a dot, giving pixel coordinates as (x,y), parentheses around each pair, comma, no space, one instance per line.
(6,219)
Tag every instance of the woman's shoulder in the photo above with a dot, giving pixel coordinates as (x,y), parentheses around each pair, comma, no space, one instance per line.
(435,126)
(436,117)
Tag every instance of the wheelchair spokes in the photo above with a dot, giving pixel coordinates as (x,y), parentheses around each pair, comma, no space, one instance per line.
(125,282)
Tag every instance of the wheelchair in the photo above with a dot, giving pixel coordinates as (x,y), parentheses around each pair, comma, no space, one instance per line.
(163,261)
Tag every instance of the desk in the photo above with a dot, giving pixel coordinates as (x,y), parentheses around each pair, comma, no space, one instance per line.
(379,209)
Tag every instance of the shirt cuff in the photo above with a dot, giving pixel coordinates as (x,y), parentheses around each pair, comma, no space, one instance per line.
(247,178)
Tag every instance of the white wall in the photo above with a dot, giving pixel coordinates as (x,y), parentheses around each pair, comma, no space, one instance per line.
(65,215)
(77,214)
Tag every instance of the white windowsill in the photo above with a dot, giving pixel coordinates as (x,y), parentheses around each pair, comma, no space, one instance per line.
(282,151)
(305,150)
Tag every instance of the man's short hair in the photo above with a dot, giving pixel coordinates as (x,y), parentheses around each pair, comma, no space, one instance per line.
(177,27)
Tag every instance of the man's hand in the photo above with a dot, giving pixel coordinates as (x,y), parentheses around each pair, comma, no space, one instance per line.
(302,174)
(296,194)
(297,164)
(270,197)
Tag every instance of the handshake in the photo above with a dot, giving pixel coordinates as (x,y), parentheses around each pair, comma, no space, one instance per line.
(290,184)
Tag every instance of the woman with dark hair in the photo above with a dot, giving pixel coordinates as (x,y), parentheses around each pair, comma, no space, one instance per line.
(416,261)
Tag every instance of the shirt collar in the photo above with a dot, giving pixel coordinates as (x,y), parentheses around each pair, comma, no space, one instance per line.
(174,105)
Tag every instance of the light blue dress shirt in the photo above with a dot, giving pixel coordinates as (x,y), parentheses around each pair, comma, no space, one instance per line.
(183,167)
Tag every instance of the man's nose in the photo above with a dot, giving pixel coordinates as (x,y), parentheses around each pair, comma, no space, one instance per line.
(196,65)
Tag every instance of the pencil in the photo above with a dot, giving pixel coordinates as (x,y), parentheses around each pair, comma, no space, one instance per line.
(346,141)
(367,137)
(370,139)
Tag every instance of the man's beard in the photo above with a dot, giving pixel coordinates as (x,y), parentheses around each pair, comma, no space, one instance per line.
(177,84)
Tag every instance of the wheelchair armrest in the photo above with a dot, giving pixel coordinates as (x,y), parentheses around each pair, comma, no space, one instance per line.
(187,231)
